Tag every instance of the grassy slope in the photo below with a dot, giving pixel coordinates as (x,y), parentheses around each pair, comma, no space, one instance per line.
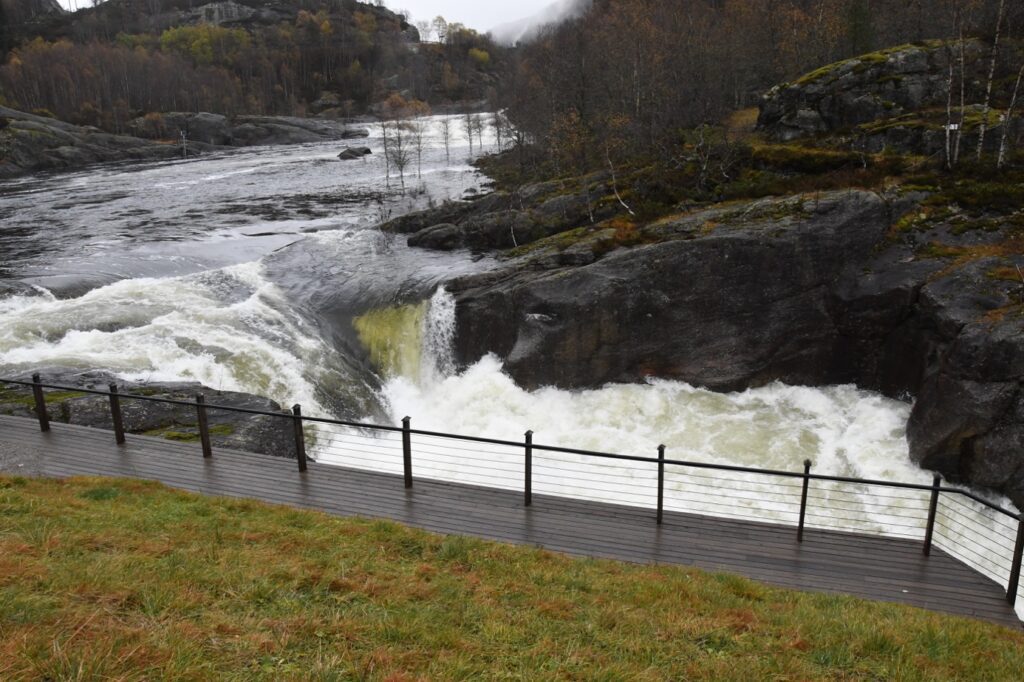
(128,580)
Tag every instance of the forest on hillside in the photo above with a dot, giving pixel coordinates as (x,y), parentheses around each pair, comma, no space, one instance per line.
(626,78)
(125,58)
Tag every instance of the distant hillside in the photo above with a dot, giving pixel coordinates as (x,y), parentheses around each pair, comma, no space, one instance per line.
(21,11)
(108,64)
(17,16)
(623,78)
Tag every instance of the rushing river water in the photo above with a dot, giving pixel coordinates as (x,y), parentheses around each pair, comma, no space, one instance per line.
(261,270)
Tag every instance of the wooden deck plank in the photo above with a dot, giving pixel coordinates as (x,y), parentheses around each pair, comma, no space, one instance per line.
(873,567)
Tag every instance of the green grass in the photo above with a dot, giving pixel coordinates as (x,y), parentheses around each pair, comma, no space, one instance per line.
(129,580)
(192,436)
(24,397)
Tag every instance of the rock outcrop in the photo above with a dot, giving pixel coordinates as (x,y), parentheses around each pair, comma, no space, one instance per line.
(503,220)
(231,430)
(30,143)
(882,290)
(22,11)
(354,153)
(892,99)
(721,299)
(242,131)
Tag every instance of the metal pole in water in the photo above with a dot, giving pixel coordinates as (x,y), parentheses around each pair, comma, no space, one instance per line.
(37,392)
(204,427)
(300,438)
(115,415)
(407,451)
(528,492)
(803,500)
(1018,553)
(661,484)
(933,507)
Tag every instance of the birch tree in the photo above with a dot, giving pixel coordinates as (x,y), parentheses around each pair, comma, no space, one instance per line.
(1008,120)
(987,106)
(470,128)
(446,135)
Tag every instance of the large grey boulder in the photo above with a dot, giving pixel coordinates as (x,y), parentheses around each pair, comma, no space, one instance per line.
(743,305)
(213,129)
(892,99)
(30,143)
(354,153)
(812,290)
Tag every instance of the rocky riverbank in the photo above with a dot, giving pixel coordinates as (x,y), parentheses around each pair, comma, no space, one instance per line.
(903,291)
(231,430)
(30,143)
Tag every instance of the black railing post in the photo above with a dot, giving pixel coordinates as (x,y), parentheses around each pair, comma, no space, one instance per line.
(661,484)
(528,487)
(37,391)
(1018,552)
(933,507)
(204,426)
(115,415)
(300,438)
(803,500)
(407,451)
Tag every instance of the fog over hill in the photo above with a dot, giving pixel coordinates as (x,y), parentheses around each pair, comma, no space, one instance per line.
(524,29)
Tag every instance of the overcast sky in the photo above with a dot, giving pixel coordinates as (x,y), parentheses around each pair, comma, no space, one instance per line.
(479,14)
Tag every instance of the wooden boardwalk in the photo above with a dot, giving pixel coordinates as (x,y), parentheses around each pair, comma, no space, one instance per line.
(871,567)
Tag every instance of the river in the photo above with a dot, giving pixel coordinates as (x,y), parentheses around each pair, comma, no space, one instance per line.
(261,270)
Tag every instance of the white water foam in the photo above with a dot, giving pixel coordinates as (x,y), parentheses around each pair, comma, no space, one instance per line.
(228,329)
(843,430)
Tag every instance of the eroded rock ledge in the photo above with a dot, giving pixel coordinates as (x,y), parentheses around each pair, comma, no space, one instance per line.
(837,287)
(30,143)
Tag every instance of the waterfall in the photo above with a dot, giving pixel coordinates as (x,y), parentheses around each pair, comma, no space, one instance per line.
(411,342)
(438,338)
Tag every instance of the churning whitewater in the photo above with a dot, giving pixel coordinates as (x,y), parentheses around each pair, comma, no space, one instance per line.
(267,275)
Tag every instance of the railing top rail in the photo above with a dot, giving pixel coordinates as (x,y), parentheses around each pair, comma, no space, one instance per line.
(541,447)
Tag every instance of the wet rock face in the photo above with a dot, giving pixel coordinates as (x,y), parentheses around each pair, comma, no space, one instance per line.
(877,86)
(218,13)
(34,143)
(744,305)
(809,290)
(354,153)
(232,430)
(242,131)
(893,99)
(508,220)
(30,143)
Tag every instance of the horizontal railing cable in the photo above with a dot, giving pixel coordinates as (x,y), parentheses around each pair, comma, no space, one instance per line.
(539,447)
(970,527)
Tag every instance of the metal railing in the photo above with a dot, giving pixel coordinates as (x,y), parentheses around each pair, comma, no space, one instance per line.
(980,533)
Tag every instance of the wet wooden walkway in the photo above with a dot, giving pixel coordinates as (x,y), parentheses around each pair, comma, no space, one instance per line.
(871,567)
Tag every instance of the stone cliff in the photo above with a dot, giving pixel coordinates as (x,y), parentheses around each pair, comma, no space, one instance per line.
(915,291)
(894,99)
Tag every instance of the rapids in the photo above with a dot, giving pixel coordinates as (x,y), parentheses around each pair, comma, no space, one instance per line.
(262,271)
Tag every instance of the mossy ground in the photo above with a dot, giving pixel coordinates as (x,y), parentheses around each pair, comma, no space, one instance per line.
(189,434)
(23,397)
(107,579)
